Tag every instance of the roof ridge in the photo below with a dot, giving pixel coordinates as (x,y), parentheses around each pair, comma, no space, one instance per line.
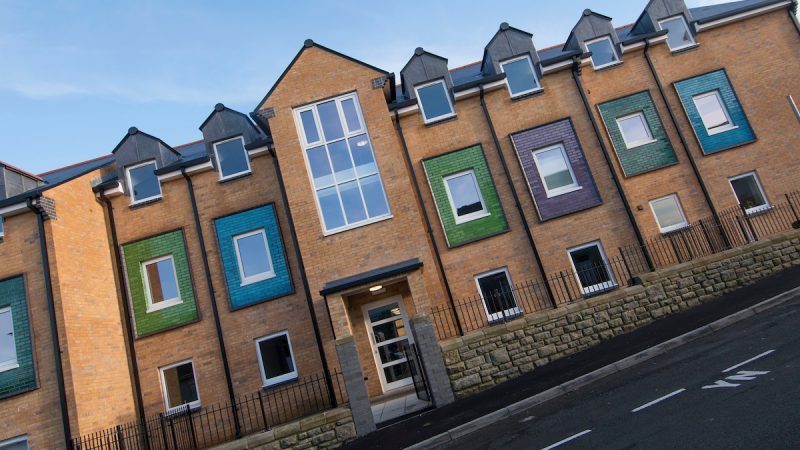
(188,144)
(74,165)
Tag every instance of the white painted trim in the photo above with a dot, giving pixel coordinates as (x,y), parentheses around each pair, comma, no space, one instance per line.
(192,405)
(721,128)
(223,177)
(452,112)
(612,283)
(484,212)
(613,49)
(11,363)
(191,169)
(794,106)
(556,67)
(258,151)
(409,336)
(245,280)
(677,201)
(754,209)
(15,209)
(280,378)
(634,144)
(634,46)
(740,16)
(167,302)
(15,440)
(507,312)
(537,83)
(564,189)
(686,26)
(128,169)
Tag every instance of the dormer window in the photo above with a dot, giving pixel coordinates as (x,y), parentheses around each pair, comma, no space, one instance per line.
(143,182)
(520,76)
(434,101)
(678,34)
(603,52)
(232,158)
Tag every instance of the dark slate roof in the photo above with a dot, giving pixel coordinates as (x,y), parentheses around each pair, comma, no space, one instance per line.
(65,173)
(704,13)
(370,276)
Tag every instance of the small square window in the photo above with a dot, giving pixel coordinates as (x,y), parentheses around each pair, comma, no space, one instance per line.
(253,257)
(555,170)
(17,443)
(161,283)
(749,192)
(678,34)
(276,359)
(499,299)
(520,76)
(713,112)
(179,386)
(465,197)
(668,213)
(232,158)
(8,347)
(603,52)
(592,268)
(143,182)
(634,129)
(434,101)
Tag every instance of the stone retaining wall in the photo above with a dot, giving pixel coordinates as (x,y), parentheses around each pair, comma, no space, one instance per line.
(495,354)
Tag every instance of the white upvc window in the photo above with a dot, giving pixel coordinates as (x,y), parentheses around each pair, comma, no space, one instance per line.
(16,443)
(253,257)
(668,213)
(678,34)
(434,101)
(179,386)
(276,359)
(161,283)
(713,112)
(634,129)
(555,170)
(749,192)
(591,268)
(232,158)
(2,228)
(143,182)
(464,194)
(341,163)
(497,293)
(8,346)
(603,52)
(521,76)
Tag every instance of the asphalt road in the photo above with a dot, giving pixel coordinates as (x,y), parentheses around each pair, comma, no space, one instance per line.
(738,388)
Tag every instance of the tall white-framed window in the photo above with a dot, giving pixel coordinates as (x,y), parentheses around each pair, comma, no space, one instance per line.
(603,52)
(16,443)
(347,184)
(232,158)
(497,293)
(555,170)
(179,386)
(253,257)
(161,283)
(521,76)
(713,112)
(464,194)
(143,182)
(668,213)
(678,34)
(591,268)
(634,129)
(2,228)
(434,101)
(276,358)
(749,192)
(8,346)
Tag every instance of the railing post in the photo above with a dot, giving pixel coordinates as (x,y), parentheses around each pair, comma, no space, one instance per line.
(749,223)
(191,427)
(120,438)
(172,432)
(146,433)
(791,206)
(163,430)
(566,287)
(264,413)
(711,245)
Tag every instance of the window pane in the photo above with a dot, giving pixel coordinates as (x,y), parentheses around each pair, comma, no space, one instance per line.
(19,445)
(678,35)
(554,168)
(634,130)
(590,266)
(602,52)
(711,111)
(180,385)
(668,212)
(233,158)
(161,278)
(384,312)
(351,200)
(393,352)
(374,196)
(351,115)
(340,158)
(464,194)
(309,127)
(362,155)
(389,330)
(496,292)
(253,255)
(8,349)
(276,356)
(144,182)
(397,372)
(329,119)
(520,76)
(320,167)
(434,101)
(748,192)
(331,210)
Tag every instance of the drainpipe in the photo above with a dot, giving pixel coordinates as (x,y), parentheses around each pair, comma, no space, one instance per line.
(427,219)
(576,75)
(213,296)
(51,311)
(309,301)
(674,121)
(516,197)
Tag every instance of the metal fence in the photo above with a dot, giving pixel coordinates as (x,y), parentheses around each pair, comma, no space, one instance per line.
(221,422)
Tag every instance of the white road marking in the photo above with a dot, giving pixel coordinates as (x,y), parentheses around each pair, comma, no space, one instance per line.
(721,384)
(748,361)
(746,375)
(671,394)
(564,441)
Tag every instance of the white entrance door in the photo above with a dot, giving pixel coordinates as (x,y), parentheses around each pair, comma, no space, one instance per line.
(389,334)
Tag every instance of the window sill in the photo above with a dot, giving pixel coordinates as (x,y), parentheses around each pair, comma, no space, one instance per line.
(716,132)
(268,387)
(606,66)
(146,202)
(639,144)
(675,229)
(463,220)
(566,191)
(6,367)
(163,305)
(256,279)
(441,120)
(599,289)
(758,210)
(357,225)
(526,95)
(183,409)
(684,49)
(235,177)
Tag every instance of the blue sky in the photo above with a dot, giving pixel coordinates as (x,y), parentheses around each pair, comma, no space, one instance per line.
(76,75)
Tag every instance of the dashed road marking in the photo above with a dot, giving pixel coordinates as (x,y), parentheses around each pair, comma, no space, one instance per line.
(564,441)
(748,361)
(671,394)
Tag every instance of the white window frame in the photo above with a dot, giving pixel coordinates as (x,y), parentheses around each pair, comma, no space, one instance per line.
(688,30)
(613,49)
(166,303)
(755,209)
(282,378)
(14,440)
(244,280)
(219,163)
(599,287)
(721,128)
(564,189)
(128,169)
(484,212)
(500,314)
(2,227)
(13,363)
(192,405)
(634,144)
(446,94)
(533,70)
(677,226)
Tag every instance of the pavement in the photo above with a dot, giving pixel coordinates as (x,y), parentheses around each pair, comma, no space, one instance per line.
(434,422)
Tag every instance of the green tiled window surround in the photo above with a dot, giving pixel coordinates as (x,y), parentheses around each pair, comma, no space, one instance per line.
(135,253)
(22,378)
(646,157)
(471,158)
